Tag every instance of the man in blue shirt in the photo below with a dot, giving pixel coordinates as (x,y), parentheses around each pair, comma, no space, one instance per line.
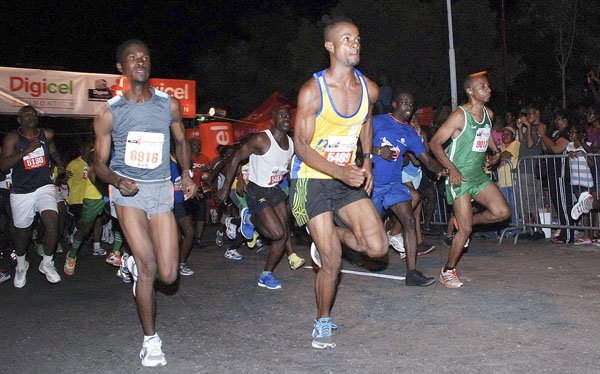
(392,138)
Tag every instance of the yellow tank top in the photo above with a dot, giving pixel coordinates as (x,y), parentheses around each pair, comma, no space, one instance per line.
(335,135)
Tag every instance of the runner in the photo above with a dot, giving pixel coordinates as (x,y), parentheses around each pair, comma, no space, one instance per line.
(137,124)
(29,151)
(334,111)
(269,154)
(393,137)
(469,126)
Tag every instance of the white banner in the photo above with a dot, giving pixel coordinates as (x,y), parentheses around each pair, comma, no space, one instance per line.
(55,93)
(71,94)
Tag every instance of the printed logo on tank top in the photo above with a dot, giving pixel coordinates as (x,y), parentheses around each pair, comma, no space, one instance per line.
(144,149)
(35,159)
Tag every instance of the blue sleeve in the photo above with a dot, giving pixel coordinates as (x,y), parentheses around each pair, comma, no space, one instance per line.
(414,143)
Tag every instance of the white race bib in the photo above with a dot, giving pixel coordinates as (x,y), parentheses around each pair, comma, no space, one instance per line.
(144,149)
(340,149)
(277,174)
(35,159)
(482,137)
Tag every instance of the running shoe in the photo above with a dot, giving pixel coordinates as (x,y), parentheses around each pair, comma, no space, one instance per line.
(230,228)
(220,238)
(448,240)
(184,270)
(416,278)
(397,242)
(323,333)
(233,254)
(113,259)
(259,246)
(314,254)
(152,354)
(47,268)
(424,249)
(247,228)
(69,267)
(132,268)
(4,276)
(99,251)
(295,261)
(123,272)
(450,279)
(21,275)
(268,281)
(583,206)
(214,216)
(252,243)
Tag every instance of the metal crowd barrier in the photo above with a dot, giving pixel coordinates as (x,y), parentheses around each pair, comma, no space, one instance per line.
(541,191)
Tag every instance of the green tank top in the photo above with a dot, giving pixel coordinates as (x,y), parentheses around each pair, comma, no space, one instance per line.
(467,151)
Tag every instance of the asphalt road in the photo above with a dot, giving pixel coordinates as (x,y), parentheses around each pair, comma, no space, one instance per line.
(527,308)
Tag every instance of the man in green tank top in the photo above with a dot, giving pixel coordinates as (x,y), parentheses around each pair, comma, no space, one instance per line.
(469,128)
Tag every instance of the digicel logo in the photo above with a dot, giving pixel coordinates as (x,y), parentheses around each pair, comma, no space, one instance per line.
(37,88)
(180,93)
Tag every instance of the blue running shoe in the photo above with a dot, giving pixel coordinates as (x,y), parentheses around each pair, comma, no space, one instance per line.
(247,228)
(267,280)
(322,333)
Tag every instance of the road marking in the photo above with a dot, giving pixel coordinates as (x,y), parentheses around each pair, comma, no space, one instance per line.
(365,274)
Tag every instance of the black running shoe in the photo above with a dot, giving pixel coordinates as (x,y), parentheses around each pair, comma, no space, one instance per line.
(416,278)
(448,241)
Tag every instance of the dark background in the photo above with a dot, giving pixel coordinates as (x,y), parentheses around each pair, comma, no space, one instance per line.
(239,52)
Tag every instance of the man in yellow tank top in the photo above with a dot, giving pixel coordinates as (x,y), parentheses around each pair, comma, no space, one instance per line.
(334,111)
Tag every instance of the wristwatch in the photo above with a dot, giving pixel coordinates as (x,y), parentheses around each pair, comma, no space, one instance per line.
(190,172)
(368,155)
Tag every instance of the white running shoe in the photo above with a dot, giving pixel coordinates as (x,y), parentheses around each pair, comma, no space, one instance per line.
(152,354)
(583,206)
(397,242)
(230,228)
(132,268)
(314,254)
(47,268)
(21,276)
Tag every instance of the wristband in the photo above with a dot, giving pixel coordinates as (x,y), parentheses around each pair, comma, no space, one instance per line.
(190,173)
(368,155)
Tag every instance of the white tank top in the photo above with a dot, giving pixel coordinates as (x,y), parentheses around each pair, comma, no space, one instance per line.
(269,169)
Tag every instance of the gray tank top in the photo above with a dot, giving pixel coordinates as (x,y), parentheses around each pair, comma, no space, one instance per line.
(142,136)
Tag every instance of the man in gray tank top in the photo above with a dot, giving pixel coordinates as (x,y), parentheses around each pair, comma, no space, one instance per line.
(139,125)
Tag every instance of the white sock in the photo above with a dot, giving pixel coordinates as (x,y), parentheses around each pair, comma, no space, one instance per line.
(96,245)
(146,337)
(47,258)
(21,261)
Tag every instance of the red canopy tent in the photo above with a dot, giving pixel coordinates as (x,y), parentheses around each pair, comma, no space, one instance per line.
(260,118)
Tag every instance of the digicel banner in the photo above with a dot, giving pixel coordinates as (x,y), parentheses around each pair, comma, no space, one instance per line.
(72,94)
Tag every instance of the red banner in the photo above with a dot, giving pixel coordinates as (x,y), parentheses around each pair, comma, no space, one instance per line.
(182,90)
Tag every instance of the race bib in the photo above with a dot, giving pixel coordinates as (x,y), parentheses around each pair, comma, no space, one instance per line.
(35,159)
(340,149)
(144,149)
(277,175)
(482,137)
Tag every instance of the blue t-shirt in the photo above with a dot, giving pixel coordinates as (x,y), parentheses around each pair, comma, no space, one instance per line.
(400,138)
(177,183)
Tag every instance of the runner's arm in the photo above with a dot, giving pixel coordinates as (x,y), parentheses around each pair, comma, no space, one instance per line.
(182,149)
